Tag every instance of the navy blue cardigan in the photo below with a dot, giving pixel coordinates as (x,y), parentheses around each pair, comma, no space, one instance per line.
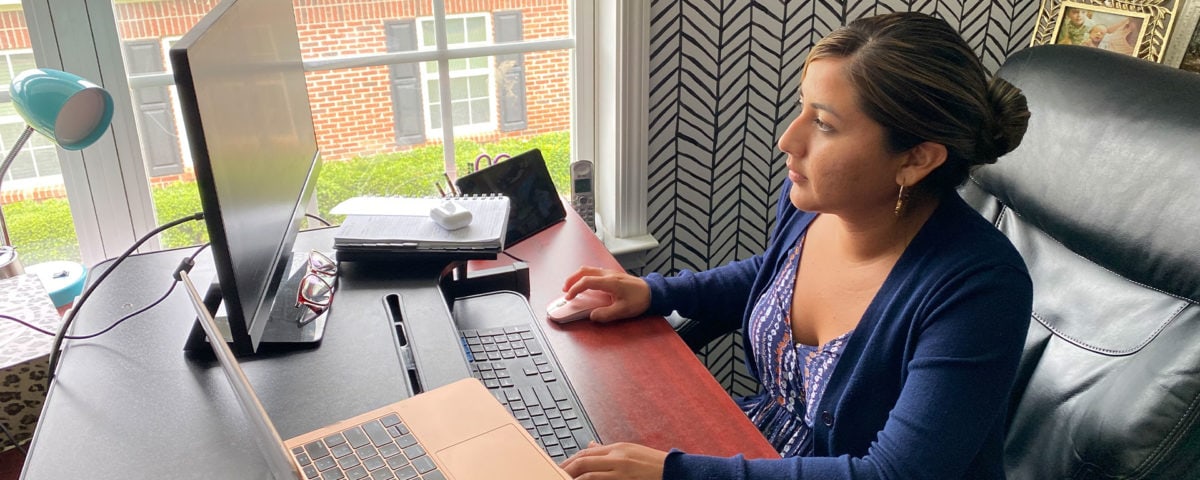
(922,388)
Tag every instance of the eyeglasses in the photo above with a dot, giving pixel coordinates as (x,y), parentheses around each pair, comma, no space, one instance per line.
(316,288)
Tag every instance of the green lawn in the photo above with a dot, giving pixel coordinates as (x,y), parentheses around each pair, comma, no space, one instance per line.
(43,231)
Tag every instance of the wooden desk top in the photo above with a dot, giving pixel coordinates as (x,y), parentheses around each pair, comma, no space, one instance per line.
(637,379)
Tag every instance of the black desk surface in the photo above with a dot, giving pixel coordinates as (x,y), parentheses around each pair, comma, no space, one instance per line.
(128,404)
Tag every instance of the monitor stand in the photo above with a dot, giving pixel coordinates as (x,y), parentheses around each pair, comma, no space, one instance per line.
(283,330)
(284,325)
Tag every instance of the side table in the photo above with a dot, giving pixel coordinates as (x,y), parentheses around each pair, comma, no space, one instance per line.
(24,354)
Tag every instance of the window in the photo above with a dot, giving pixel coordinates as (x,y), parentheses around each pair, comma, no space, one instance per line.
(366,87)
(471,99)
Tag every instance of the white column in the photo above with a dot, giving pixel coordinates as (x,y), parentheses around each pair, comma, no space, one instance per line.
(106,182)
(621,127)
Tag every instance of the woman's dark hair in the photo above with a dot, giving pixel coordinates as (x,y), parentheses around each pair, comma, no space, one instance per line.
(917,77)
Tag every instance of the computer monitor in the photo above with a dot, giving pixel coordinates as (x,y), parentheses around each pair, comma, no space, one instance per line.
(245,105)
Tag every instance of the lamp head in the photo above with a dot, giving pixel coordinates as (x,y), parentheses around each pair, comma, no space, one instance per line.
(62,106)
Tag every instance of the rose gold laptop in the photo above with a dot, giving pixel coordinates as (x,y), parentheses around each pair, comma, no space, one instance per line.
(455,432)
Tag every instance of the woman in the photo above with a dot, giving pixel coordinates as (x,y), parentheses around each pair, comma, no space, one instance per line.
(886,319)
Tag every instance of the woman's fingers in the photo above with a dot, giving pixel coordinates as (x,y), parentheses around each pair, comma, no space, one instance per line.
(630,294)
(626,461)
(594,450)
(580,273)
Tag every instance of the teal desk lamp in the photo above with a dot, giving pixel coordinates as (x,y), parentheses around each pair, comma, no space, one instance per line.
(64,107)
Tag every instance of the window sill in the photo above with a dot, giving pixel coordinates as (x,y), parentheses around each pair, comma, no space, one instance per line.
(629,251)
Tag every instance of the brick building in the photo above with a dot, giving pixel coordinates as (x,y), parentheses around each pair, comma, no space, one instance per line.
(356,111)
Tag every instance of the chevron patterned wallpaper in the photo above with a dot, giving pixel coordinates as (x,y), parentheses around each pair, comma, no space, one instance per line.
(723,75)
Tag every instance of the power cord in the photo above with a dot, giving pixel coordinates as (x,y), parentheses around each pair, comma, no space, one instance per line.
(190,260)
(55,350)
(319,219)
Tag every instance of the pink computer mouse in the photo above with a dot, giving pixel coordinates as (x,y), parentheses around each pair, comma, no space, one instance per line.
(578,308)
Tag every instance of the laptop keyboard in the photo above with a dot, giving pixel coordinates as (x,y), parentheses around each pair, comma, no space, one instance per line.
(513,364)
(377,449)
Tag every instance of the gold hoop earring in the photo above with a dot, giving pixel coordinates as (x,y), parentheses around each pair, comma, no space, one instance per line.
(900,201)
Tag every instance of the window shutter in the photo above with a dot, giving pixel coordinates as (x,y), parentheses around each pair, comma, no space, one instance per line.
(511,68)
(405,81)
(155,118)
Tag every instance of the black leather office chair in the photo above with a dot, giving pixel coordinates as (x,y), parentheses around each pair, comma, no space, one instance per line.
(1102,199)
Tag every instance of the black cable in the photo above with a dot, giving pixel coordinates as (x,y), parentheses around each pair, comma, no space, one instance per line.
(70,316)
(13,439)
(190,259)
(27,324)
(319,219)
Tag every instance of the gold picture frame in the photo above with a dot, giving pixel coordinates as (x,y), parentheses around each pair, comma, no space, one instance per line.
(1183,47)
(1134,27)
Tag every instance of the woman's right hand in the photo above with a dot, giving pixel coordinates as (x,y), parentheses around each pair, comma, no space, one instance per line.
(631,295)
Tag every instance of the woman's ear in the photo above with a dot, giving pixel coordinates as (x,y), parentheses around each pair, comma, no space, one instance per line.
(919,161)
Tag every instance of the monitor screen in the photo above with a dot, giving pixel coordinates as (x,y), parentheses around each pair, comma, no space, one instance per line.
(246,109)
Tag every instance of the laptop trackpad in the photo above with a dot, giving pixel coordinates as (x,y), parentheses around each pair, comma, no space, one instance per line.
(500,454)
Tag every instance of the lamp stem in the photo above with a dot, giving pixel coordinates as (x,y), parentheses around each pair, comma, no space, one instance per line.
(12,155)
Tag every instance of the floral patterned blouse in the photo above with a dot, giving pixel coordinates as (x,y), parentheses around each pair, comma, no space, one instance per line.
(793,376)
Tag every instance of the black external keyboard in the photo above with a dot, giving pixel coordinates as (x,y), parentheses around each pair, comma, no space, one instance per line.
(378,449)
(513,364)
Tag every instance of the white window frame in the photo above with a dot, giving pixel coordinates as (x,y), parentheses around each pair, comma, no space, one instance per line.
(620,87)
(107,183)
(474,128)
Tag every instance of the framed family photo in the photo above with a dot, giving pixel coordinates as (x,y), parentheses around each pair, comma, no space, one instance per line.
(1183,48)
(1137,28)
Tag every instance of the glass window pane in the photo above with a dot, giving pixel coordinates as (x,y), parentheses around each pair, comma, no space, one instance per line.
(478,62)
(462,113)
(47,163)
(455,32)
(476,29)
(480,111)
(435,91)
(23,61)
(22,167)
(428,38)
(457,64)
(458,89)
(6,71)
(435,117)
(37,140)
(479,86)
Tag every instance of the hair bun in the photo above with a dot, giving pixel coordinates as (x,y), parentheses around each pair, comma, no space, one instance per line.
(1010,118)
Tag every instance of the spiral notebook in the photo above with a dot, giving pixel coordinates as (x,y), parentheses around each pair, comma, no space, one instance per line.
(383,227)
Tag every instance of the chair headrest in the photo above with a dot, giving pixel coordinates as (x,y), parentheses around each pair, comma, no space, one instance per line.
(1110,164)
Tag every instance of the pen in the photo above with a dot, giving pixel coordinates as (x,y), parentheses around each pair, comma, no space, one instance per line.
(441,191)
(450,184)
